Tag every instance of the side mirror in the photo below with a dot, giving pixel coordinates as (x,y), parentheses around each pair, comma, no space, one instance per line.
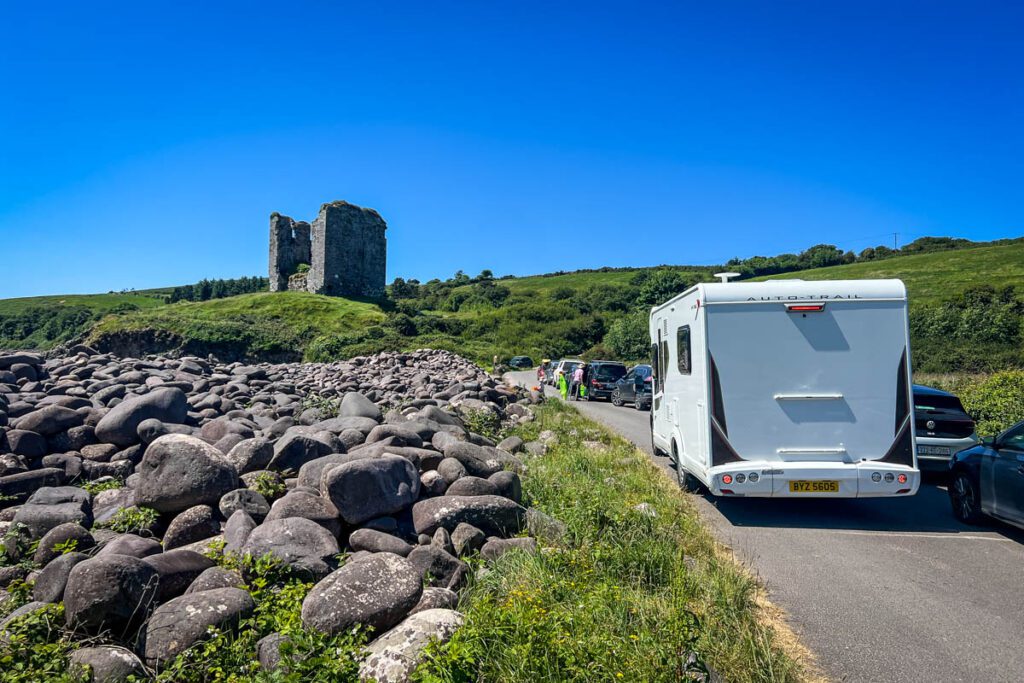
(989,441)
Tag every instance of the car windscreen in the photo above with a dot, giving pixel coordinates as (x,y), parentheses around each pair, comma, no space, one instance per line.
(609,372)
(926,403)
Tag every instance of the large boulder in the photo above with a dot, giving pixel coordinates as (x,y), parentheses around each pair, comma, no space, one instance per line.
(308,506)
(251,455)
(378,542)
(177,625)
(62,538)
(393,657)
(120,425)
(180,471)
(300,543)
(109,592)
(377,591)
(439,568)
(53,579)
(295,449)
(50,420)
(494,515)
(374,487)
(52,506)
(478,461)
(195,524)
(177,570)
(106,664)
(356,405)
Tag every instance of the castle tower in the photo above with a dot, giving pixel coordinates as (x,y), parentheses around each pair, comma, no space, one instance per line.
(345,248)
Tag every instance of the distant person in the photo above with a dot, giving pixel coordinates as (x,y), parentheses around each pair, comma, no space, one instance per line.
(577,383)
(495,365)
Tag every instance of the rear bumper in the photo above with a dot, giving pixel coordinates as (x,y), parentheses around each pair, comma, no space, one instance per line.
(852,480)
(929,456)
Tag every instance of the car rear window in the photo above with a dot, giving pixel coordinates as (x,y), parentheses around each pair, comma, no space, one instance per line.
(938,402)
(609,371)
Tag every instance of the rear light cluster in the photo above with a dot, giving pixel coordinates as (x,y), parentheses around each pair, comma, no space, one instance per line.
(889,477)
(740,478)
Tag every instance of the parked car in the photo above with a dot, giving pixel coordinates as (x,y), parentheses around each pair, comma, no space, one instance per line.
(549,372)
(942,427)
(601,377)
(520,362)
(567,366)
(634,388)
(988,479)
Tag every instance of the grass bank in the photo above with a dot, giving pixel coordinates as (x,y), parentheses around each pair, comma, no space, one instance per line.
(638,590)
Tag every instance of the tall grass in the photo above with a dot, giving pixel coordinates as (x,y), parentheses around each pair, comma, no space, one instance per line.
(637,591)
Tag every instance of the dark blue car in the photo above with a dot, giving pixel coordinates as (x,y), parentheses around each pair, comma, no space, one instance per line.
(988,479)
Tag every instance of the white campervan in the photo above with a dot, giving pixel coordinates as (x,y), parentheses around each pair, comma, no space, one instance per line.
(786,388)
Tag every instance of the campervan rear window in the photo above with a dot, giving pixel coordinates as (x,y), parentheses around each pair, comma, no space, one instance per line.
(683,349)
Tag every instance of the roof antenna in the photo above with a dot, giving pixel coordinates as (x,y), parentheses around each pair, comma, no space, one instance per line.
(725,277)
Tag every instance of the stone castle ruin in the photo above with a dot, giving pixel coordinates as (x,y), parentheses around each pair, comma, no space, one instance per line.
(343,252)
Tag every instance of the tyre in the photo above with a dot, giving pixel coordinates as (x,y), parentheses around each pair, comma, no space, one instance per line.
(687,481)
(638,404)
(963,496)
(616,399)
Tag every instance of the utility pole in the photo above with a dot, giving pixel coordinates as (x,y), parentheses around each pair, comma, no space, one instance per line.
(895,238)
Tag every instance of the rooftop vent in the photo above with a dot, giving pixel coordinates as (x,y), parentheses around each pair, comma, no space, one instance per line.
(725,277)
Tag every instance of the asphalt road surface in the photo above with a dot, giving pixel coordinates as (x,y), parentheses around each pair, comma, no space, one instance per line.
(879,590)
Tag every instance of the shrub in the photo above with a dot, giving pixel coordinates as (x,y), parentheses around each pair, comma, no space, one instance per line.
(132,520)
(36,649)
(628,336)
(995,402)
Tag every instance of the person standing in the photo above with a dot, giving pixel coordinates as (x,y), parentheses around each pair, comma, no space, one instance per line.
(577,382)
(563,384)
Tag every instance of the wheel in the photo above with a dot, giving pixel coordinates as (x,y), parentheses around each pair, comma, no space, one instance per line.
(637,404)
(687,481)
(963,496)
(616,399)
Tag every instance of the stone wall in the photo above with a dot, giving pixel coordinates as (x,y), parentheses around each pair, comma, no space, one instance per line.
(290,245)
(345,248)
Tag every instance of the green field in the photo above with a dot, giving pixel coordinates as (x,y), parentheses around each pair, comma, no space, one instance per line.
(934,276)
(98,303)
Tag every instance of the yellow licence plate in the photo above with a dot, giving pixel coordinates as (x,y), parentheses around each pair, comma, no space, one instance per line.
(823,486)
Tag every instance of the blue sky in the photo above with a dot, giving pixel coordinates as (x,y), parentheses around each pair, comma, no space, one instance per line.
(145,143)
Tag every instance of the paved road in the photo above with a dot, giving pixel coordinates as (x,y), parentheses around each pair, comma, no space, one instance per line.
(880,590)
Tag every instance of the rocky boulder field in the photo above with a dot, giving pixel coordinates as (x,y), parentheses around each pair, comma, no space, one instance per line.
(121,479)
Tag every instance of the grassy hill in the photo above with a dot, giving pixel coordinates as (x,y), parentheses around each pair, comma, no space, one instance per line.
(267,325)
(933,277)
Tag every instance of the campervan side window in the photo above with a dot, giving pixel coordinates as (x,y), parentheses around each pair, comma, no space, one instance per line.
(683,349)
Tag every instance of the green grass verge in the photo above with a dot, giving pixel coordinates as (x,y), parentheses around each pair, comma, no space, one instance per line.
(632,596)
(96,303)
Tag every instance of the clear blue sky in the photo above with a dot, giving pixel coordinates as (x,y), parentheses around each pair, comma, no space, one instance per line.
(145,143)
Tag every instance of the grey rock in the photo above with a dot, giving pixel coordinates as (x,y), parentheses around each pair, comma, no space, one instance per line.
(300,543)
(251,455)
(179,471)
(182,622)
(237,530)
(50,420)
(106,664)
(215,577)
(66,534)
(508,484)
(194,524)
(53,579)
(177,570)
(109,592)
(472,486)
(51,506)
(244,499)
(494,515)
(377,591)
(439,568)
(368,488)
(393,657)
(496,547)
(295,449)
(309,506)
(120,425)
(467,539)
(131,545)
(451,470)
(378,542)
(436,598)
(356,405)
(544,526)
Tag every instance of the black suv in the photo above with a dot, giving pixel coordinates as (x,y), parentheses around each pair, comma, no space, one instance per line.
(521,362)
(634,387)
(600,376)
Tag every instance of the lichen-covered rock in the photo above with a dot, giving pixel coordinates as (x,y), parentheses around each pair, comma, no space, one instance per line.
(377,591)
(106,664)
(109,592)
(177,625)
(300,543)
(394,656)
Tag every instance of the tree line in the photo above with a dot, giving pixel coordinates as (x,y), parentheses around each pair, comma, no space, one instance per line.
(204,290)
